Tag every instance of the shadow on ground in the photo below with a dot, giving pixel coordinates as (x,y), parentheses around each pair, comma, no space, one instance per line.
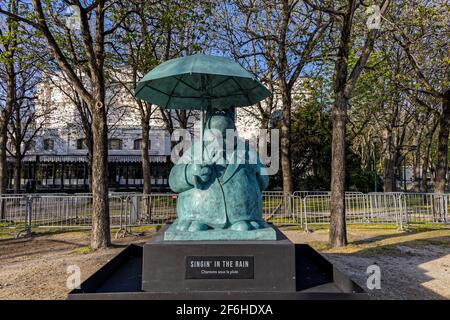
(414,264)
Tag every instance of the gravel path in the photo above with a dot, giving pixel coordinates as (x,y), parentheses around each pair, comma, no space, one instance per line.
(37,268)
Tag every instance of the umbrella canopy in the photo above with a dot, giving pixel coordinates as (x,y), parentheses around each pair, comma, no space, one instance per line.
(200,82)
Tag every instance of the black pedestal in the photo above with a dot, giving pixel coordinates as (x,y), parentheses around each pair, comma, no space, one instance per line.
(244,266)
(156,272)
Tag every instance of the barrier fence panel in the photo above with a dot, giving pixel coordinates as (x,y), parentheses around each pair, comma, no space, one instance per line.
(303,194)
(297,210)
(22,212)
(276,208)
(360,208)
(273,193)
(384,208)
(61,211)
(447,201)
(356,208)
(119,210)
(316,209)
(153,209)
(426,207)
(13,213)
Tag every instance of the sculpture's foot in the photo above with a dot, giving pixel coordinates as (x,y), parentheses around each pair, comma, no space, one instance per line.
(255,224)
(241,226)
(183,225)
(197,226)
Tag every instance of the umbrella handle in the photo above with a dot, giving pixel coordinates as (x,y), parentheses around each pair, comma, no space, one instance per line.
(198,183)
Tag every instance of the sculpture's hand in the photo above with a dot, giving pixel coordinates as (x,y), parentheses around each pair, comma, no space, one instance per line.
(201,174)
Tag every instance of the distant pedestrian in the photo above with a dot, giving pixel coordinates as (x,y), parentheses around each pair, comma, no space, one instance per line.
(28,186)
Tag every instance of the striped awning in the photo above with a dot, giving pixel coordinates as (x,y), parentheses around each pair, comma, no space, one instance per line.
(120,158)
(111,158)
(24,159)
(63,158)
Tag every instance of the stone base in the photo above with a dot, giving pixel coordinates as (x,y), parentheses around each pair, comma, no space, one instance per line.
(240,265)
(265,233)
(121,278)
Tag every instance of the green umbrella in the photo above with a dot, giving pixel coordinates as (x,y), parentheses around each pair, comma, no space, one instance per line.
(200,82)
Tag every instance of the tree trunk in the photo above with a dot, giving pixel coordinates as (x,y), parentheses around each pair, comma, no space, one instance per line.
(424,180)
(442,158)
(3,170)
(17,171)
(17,144)
(146,174)
(285,147)
(426,159)
(90,171)
(100,237)
(389,174)
(6,115)
(90,163)
(416,165)
(3,162)
(145,157)
(283,74)
(338,229)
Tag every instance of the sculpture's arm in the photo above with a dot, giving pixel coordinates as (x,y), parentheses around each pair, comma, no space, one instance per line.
(179,179)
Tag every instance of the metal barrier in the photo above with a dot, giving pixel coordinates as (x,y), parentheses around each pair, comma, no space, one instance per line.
(303,194)
(153,209)
(316,209)
(13,212)
(426,208)
(25,212)
(281,209)
(385,208)
(375,208)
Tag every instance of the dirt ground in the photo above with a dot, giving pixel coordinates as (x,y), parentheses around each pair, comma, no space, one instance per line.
(414,264)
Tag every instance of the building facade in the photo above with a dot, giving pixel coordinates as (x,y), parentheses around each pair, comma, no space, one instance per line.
(57,160)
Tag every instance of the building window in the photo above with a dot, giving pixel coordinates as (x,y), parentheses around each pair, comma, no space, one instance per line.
(31,146)
(49,144)
(137,144)
(115,144)
(81,144)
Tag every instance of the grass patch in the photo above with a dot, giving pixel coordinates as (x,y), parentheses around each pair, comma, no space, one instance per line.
(8,232)
(372,226)
(53,231)
(379,239)
(427,227)
(320,245)
(145,228)
(382,250)
(82,250)
(388,242)
(292,228)
(138,229)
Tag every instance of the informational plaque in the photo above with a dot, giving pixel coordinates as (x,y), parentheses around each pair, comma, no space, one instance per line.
(219,267)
